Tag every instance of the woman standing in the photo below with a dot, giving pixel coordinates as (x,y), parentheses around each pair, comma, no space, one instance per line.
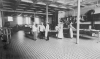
(60,30)
(47,31)
(34,31)
(71,30)
(57,28)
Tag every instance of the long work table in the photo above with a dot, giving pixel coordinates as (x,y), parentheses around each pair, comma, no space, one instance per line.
(93,31)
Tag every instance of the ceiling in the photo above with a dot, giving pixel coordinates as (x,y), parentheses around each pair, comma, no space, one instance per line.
(39,6)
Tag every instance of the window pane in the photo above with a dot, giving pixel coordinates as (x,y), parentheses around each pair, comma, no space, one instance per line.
(19,20)
(37,20)
(10,18)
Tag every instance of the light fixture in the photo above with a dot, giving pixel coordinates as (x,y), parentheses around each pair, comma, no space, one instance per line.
(28,1)
(39,11)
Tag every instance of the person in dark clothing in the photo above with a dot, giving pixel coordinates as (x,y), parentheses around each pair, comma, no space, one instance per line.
(34,31)
(42,31)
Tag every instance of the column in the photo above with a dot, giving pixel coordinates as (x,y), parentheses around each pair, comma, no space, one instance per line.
(74,12)
(78,22)
(34,17)
(0,18)
(46,13)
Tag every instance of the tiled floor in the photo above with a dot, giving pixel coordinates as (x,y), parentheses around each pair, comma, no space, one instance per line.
(25,48)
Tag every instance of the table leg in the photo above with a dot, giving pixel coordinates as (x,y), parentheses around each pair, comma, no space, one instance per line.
(98,37)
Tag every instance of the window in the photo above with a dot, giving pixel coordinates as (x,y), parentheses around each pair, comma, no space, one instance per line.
(19,20)
(28,20)
(37,20)
(10,18)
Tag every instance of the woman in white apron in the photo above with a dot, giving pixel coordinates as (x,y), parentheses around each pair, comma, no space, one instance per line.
(47,31)
(57,28)
(71,30)
(60,30)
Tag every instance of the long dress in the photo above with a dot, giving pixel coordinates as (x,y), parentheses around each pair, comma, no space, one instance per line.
(34,30)
(56,28)
(46,30)
(71,30)
(60,32)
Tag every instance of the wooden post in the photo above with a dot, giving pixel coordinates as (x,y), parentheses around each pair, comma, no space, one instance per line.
(78,22)
(0,18)
(34,17)
(46,13)
(46,31)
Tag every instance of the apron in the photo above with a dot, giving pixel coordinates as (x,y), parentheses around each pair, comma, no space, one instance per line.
(60,32)
(46,30)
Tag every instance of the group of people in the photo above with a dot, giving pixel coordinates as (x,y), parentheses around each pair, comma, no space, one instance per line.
(40,31)
(59,29)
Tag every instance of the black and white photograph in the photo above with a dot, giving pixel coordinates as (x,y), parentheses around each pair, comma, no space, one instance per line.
(49,29)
